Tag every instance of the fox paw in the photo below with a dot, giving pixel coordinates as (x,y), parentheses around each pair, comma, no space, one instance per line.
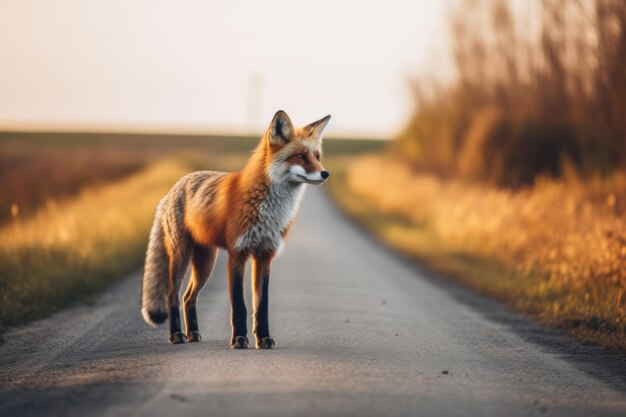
(265,343)
(193,336)
(176,338)
(239,342)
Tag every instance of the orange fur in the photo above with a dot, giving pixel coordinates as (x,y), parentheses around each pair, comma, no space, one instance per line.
(248,213)
(218,214)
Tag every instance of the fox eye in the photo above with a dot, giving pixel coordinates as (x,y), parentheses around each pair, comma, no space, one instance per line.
(317,156)
(300,156)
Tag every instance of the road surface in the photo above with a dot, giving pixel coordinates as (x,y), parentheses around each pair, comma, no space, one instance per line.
(359,331)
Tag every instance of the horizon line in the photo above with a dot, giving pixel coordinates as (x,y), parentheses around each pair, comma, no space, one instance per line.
(167,129)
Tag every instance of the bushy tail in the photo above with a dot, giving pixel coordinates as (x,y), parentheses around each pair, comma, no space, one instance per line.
(155,282)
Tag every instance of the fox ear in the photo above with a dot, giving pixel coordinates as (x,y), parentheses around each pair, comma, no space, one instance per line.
(281,129)
(316,129)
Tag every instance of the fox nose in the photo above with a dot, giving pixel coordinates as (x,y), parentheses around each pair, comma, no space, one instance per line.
(325,174)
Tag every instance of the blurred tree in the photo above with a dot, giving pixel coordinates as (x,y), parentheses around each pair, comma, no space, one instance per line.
(530,72)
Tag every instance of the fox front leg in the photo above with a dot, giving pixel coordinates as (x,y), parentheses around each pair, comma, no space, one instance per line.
(238,313)
(260,287)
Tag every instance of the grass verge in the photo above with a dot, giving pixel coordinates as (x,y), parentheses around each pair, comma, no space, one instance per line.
(69,251)
(558,259)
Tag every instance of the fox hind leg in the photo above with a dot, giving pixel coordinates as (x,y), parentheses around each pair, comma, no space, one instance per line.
(202,263)
(178,266)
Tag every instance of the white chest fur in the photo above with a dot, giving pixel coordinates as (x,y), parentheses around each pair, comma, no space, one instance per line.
(275,212)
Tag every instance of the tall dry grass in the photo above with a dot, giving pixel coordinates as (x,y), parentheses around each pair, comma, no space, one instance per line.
(31,176)
(70,250)
(538,83)
(563,241)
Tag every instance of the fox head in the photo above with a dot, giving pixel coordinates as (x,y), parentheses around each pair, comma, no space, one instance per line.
(295,154)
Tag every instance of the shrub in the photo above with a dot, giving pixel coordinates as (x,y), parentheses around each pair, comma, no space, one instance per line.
(515,153)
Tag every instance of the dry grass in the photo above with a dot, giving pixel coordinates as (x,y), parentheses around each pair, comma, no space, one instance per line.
(69,251)
(29,176)
(36,168)
(556,250)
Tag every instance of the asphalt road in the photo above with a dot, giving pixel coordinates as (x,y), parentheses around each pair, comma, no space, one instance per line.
(358,330)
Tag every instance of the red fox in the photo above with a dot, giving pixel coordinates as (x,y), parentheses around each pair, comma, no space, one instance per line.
(247,213)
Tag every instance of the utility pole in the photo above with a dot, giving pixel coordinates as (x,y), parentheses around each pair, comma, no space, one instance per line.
(255,91)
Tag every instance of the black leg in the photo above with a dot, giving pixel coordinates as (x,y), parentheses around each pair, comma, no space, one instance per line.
(176,335)
(238,315)
(192,318)
(178,266)
(260,294)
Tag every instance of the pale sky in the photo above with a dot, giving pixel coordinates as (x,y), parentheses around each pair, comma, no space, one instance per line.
(215,65)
